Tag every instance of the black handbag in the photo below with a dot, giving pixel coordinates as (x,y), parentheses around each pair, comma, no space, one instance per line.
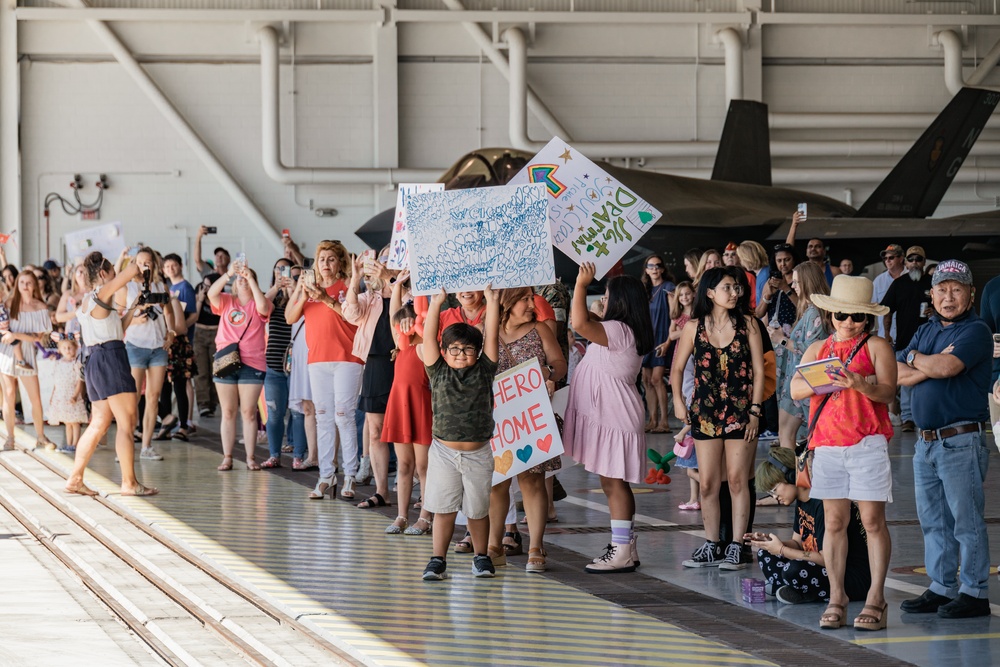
(227,361)
(288,351)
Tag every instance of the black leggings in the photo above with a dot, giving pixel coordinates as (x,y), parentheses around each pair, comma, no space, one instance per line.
(802,575)
(180,393)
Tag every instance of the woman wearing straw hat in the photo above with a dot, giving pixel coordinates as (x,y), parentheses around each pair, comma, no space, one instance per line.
(850,439)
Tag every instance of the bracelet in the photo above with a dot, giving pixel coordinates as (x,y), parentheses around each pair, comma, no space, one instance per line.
(781,551)
(765,299)
(805,554)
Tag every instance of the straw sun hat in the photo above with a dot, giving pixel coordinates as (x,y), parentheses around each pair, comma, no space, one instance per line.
(850,294)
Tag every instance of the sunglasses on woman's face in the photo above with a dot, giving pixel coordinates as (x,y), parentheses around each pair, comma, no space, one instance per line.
(654,266)
(857,318)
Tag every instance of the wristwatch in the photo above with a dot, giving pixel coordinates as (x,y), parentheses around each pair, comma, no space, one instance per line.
(910,358)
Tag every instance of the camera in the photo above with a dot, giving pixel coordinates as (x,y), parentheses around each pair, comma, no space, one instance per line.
(149,298)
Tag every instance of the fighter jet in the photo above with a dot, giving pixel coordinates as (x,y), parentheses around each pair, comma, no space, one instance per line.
(739,202)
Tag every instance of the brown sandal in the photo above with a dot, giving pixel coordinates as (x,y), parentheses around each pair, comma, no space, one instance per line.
(867,620)
(833,617)
(536,560)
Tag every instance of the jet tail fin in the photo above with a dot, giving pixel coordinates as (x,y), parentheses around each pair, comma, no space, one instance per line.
(915,186)
(745,148)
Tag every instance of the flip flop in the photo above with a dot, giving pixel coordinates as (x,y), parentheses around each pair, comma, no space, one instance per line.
(142,491)
(82,490)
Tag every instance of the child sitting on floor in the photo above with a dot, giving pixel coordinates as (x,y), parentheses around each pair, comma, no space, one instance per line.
(460,461)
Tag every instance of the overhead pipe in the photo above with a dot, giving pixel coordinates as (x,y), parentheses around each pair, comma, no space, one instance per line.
(732,42)
(840,175)
(518,130)
(174,117)
(485,43)
(271,137)
(954,80)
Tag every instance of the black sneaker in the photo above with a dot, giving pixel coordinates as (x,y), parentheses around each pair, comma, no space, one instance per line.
(927,603)
(482,566)
(965,606)
(435,570)
(734,559)
(707,555)
(789,595)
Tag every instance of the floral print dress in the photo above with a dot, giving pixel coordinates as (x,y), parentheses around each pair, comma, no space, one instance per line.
(723,385)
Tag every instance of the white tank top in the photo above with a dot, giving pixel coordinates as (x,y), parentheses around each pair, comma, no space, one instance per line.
(97,331)
(149,334)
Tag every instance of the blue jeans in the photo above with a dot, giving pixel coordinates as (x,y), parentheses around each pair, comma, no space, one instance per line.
(276,397)
(905,413)
(948,482)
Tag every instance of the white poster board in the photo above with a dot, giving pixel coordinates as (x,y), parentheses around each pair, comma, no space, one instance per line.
(106,239)
(594,217)
(525,434)
(462,240)
(399,255)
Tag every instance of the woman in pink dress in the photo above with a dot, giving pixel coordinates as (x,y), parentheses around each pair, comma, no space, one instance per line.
(604,416)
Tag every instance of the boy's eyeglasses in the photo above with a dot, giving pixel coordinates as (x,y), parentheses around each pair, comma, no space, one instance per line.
(857,318)
(773,493)
(469,351)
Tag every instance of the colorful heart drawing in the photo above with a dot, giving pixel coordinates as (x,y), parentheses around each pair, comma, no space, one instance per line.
(524,453)
(545,444)
(503,463)
(645,216)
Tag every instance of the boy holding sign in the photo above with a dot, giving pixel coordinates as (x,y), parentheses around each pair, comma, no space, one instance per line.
(460,461)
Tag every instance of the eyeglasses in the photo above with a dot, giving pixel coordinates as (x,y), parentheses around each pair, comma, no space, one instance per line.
(783,247)
(892,257)
(735,289)
(773,493)
(915,258)
(654,266)
(857,318)
(468,351)
(296,276)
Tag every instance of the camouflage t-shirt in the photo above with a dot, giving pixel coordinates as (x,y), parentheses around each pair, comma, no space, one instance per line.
(462,400)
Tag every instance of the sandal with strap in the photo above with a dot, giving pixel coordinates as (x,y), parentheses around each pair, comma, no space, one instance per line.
(833,617)
(375,500)
(141,490)
(326,486)
(395,528)
(515,549)
(414,530)
(536,560)
(869,621)
(348,490)
(227,464)
(464,545)
(252,465)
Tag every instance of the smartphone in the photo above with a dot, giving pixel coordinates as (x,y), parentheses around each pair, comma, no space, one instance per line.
(286,272)
(996,338)
(308,278)
(368,257)
(134,250)
(803,210)
(285,234)
(755,537)
(211,230)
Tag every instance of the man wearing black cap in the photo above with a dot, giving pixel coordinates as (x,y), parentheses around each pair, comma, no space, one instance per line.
(892,257)
(221,257)
(908,298)
(947,363)
(55,272)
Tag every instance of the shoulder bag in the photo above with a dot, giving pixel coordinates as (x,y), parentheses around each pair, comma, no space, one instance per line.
(227,360)
(288,350)
(803,454)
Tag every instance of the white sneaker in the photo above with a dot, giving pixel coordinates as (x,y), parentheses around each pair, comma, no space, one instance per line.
(767,436)
(617,558)
(150,454)
(895,419)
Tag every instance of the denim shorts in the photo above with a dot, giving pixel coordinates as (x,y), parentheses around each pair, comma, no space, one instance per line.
(144,357)
(246,375)
(858,472)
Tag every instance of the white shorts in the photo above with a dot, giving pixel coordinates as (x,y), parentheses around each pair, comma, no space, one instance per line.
(857,472)
(458,480)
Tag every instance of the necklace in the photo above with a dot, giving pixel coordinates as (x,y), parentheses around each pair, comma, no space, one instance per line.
(725,324)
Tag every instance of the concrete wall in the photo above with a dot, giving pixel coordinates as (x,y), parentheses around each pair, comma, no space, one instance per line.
(80,113)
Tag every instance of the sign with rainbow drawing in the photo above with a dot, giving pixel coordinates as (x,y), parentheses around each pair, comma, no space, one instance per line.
(594,217)
(525,434)
(399,254)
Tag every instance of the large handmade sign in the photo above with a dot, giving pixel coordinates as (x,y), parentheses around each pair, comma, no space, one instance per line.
(462,240)
(594,217)
(525,434)
(399,255)
(106,238)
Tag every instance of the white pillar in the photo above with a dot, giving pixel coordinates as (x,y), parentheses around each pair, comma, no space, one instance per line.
(10,110)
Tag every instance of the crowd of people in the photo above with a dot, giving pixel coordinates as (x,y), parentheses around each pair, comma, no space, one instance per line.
(359,375)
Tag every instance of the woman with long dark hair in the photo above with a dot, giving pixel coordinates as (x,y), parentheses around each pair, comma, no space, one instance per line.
(659,285)
(276,380)
(725,407)
(604,415)
(110,385)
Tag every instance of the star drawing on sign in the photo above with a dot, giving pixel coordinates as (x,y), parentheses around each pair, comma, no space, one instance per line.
(579,229)
(593,195)
(607,180)
(566,157)
(570,207)
(586,175)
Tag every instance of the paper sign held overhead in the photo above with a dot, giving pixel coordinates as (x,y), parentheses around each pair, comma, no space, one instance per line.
(525,434)
(462,240)
(399,256)
(106,238)
(594,217)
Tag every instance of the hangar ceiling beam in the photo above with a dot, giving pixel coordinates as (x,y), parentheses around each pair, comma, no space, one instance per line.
(177,120)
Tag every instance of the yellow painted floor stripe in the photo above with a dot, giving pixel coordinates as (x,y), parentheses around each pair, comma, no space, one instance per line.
(924,638)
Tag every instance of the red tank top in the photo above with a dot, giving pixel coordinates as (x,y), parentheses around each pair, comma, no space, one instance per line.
(849,416)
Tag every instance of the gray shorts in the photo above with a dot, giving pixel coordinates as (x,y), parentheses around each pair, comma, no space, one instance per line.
(458,480)
(857,472)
